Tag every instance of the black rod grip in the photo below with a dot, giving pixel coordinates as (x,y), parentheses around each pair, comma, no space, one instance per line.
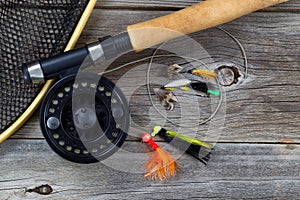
(65,61)
(71,61)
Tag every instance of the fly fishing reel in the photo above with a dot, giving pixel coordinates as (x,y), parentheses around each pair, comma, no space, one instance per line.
(85,120)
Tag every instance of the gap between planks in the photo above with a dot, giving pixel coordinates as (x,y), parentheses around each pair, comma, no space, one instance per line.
(291,6)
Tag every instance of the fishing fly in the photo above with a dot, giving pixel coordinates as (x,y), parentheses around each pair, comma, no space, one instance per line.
(191,146)
(174,69)
(186,85)
(204,73)
(161,165)
(167,98)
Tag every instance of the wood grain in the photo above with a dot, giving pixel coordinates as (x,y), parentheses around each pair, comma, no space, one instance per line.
(234,171)
(257,110)
(176,4)
(187,21)
(258,144)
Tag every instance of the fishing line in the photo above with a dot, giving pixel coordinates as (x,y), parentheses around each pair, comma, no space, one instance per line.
(166,117)
(149,90)
(147,58)
(153,56)
(241,47)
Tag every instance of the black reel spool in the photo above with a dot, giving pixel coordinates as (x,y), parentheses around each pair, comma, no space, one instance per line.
(98,126)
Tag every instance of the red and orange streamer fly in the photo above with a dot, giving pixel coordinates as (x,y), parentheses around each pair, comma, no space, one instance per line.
(161,165)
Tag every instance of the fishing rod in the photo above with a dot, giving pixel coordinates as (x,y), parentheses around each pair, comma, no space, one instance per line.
(70,125)
(203,15)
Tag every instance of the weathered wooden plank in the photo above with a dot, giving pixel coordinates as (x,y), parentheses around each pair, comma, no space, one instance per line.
(292,5)
(262,109)
(105,22)
(176,4)
(234,171)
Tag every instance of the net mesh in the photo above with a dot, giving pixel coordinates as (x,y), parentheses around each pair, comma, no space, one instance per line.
(30,29)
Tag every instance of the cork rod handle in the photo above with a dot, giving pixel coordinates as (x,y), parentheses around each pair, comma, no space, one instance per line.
(198,17)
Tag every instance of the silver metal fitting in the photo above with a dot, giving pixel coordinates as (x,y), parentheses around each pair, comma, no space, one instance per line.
(35,72)
(95,51)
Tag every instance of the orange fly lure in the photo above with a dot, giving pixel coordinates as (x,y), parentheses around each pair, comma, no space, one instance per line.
(205,73)
(161,166)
